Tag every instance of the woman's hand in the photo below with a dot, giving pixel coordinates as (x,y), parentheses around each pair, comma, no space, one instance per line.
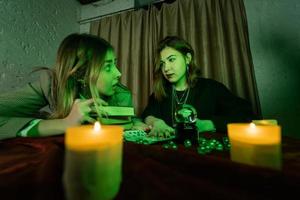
(139,125)
(96,109)
(160,129)
(80,112)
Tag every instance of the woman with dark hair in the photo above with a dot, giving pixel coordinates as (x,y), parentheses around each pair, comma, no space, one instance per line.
(177,82)
(84,79)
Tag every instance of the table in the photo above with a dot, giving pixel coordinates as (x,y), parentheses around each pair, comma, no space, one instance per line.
(32,168)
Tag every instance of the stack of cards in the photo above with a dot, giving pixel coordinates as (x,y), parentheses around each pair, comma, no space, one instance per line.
(141,137)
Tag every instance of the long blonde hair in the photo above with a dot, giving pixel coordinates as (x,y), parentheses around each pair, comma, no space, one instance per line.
(160,83)
(78,64)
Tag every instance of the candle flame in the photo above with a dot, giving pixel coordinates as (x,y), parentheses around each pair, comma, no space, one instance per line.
(252,129)
(252,125)
(97,126)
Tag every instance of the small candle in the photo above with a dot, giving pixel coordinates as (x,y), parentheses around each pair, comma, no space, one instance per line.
(93,161)
(258,145)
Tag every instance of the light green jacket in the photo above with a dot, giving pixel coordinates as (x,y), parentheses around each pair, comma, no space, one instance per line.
(34,101)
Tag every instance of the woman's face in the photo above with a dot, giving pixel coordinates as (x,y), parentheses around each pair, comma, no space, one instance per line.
(109,75)
(173,65)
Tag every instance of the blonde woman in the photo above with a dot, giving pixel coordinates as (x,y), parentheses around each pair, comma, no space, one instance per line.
(85,78)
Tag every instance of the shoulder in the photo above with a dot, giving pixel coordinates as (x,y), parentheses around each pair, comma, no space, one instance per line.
(211,87)
(208,82)
(46,76)
(43,75)
(45,84)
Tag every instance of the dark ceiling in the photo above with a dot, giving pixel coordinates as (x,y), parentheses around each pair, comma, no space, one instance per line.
(83,2)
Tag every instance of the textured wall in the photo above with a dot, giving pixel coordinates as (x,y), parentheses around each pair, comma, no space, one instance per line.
(30,32)
(274,29)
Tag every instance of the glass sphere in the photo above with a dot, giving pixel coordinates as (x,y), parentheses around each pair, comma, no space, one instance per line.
(185,113)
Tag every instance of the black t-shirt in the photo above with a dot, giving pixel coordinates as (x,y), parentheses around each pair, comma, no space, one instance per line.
(212,101)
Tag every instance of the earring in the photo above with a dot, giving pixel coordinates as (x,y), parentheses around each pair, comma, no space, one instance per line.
(187,68)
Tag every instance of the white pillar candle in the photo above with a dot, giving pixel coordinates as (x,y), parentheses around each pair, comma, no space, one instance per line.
(93,162)
(258,145)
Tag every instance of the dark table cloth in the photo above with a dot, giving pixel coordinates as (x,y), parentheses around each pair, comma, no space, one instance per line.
(32,168)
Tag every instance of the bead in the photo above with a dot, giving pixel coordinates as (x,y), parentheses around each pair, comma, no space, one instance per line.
(201,140)
(225,140)
(226,143)
(174,146)
(201,150)
(166,146)
(219,147)
(187,143)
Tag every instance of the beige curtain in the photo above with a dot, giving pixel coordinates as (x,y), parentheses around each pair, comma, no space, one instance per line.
(217,30)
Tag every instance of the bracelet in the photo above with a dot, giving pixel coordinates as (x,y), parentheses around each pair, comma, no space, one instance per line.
(24,132)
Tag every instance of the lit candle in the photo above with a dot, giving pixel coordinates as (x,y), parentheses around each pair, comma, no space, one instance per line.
(93,161)
(255,144)
(265,122)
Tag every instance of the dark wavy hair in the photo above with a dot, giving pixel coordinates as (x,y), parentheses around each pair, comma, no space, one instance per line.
(160,83)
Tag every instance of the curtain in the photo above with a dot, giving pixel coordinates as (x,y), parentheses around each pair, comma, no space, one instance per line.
(216,29)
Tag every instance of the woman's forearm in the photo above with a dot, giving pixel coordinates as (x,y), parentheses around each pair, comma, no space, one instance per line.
(52,127)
